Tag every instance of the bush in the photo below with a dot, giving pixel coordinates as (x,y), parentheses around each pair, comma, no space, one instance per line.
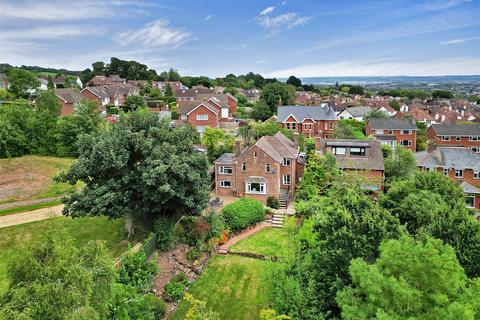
(134,271)
(272,202)
(175,289)
(164,231)
(158,306)
(193,254)
(243,213)
(194,230)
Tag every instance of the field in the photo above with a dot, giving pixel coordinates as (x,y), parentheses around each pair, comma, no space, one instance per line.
(235,286)
(14,239)
(31,177)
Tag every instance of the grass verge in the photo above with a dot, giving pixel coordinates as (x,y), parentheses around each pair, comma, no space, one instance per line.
(268,241)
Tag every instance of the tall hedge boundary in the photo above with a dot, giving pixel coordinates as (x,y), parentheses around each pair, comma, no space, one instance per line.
(243,213)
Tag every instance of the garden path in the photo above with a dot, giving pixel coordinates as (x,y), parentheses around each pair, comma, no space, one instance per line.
(30,216)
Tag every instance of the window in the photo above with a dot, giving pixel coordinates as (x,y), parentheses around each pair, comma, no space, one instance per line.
(473,138)
(458,138)
(244,167)
(292,125)
(338,150)
(406,131)
(267,168)
(201,129)
(445,138)
(406,143)
(389,131)
(255,155)
(330,125)
(470,200)
(286,179)
(357,151)
(286,161)
(225,170)
(202,117)
(255,187)
(445,172)
(377,131)
(476,174)
(458,173)
(308,127)
(184,117)
(475,149)
(225,184)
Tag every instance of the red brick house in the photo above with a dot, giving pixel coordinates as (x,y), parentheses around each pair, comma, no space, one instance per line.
(175,85)
(187,95)
(269,168)
(462,135)
(114,94)
(362,157)
(98,94)
(311,121)
(105,80)
(393,131)
(69,99)
(459,164)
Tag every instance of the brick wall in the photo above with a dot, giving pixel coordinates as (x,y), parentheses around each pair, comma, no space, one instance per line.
(398,136)
(212,120)
(463,142)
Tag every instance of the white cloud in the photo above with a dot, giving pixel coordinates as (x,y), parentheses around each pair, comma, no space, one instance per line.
(48,32)
(274,24)
(442,5)
(208,17)
(267,11)
(456,41)
(156,34)
(451,66)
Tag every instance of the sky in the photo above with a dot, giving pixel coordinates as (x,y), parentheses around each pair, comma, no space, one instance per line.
(274,38)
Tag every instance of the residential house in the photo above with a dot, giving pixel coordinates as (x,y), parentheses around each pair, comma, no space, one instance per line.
(393,131)
(99,94)
(462,135)
(311,121)
(43,84)
(381,105)
(105,80)
(188,95)
(459,164)
(69,99)
(362,157)
(418,114)
(358,113)
(3,81)
(269,168)
(175,85)
(252,95)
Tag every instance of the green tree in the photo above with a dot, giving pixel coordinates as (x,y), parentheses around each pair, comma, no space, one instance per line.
(276,94)
(217,142)
(133,103)
(16,121)
(169,91)
(320,173)
(294,81)
(442,94)
(375,114)
(57,280)
(410,280)
(198,310)
(50,84)
(356,90)
(261,111)
(394,104)
(43,130)
(22,83)
(400,164)
(140,165)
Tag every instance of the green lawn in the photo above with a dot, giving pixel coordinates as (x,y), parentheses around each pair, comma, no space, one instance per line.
(268,241)
(233,286)
(13,239)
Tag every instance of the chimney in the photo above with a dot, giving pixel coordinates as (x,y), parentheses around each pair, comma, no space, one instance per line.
(238,149)
(295,139)
(431,146)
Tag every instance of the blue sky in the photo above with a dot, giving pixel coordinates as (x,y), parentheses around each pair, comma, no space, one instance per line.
(274,38)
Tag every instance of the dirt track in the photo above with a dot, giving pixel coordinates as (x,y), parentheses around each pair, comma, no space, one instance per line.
(30,216)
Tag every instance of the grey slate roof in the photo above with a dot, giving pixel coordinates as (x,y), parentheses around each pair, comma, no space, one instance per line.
(468,188)
(360,111)
(303,112)
(386,137)
(98,91)
(392,124)
(456,129)
(69,95)
(278,147)
(458,158)
(226,158)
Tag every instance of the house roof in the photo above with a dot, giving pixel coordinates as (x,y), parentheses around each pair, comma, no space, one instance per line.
(101,80)
(226,158)
(373,159)
(278,147)
(456,129)
(386,137)
(98,91)
(68,95)
(187,107)
(468,188)
(392,124)
(458,158)
(359,111)
(304,112)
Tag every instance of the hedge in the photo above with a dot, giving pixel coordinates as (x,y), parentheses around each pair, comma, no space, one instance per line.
(243,213)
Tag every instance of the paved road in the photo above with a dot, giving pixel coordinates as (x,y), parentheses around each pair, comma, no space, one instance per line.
(30,216)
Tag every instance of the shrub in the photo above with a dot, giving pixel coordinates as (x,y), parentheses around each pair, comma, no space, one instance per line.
(193,254)
(157,305)
(134,271)
(243,213)
(216,223)
(194,230)
(175,289)
(164,231)
(272,202)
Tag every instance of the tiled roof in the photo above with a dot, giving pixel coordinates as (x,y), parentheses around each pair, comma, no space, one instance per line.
(69,95)
(392,124)
(188,106)
(278,147)
(458,158)
(98,91)
(457,129)
(468,188)
(303,112)
(226,158)
(360,111)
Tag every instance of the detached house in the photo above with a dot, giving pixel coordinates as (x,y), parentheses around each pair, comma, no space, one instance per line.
(464,135)
(114,94)
(99,94)
(104,80)
(69,99)
(358,113)
(459,164)
(269,168)
(393,131)
(188,95)
(356,156)
(311,121)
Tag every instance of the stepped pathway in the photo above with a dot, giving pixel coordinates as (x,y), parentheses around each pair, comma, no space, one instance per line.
(224,248)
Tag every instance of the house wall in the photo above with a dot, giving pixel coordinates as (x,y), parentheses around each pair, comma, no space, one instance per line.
(212,120)
(322,128)
(90,96)
(232,106)
(468,177)
(221,191)
(398,136)
(464,140)
(67,108)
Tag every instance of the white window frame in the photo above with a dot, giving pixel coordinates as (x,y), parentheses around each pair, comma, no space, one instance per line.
(286,179)
(255,155)
(183,116)
(360,150)
(475,149)
(221,170)
(458,173)
(379,131)
(406,132)
(223,184)
(445,138)
(335,151)
(286,162)
(476,174)
(409,143)
(262,187)
(202,117)
(389,131)
(470,195)
(473,138)
(330,125)
(458,138)
(244,166)
(445,172)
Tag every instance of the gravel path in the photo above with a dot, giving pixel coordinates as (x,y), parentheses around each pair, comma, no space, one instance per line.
(30,216)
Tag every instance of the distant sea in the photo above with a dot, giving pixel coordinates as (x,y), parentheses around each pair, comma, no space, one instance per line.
(386,79)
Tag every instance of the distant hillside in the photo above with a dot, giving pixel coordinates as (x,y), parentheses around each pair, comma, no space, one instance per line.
(40,70)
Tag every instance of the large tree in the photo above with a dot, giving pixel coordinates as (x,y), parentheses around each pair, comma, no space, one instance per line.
(23,83)
(140,166)
(411,280)
(276,94)
(400,163)
(217,142)
(294,81)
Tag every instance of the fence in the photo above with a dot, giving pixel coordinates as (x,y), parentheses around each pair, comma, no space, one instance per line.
(150,245)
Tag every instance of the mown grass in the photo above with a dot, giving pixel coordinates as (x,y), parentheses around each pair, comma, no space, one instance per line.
(14,239)
(30,207)
(233,286)
(268,241)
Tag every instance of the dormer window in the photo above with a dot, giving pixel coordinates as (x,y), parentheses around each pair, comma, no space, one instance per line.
(357,151)
(286,161)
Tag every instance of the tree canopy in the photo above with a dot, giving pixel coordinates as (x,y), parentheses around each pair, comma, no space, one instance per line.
(276,94)
(23,83)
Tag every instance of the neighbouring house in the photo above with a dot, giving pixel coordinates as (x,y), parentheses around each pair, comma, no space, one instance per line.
(43,84)
(393,131)
(188,95)
(99,94)
(362,157)
(208,110)
(459,164)
(175,85)
(3,81)
(358,113)
(105,80)
(69,99)
(252,95)
(381,105)
(307,98)
(114,94)
(418,114)
(460,135)
(311,121)
(269,168)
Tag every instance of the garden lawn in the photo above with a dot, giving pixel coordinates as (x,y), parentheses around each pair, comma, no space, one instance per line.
(268,241)
(233,286)
(13,239)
